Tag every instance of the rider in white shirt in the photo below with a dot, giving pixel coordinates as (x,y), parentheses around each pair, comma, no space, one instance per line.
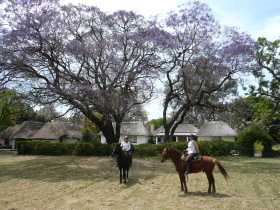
(193,149)
(125,145)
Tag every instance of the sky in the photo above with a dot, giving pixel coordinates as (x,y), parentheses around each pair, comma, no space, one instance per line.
(260,18)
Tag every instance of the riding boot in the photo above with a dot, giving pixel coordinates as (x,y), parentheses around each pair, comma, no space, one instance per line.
(188,166)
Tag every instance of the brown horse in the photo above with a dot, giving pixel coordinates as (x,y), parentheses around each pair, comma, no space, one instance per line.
(206,164)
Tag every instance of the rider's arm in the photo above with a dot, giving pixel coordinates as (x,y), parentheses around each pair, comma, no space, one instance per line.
(196,147)
(129,147)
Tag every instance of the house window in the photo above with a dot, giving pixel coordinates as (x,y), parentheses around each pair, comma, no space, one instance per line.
(133,139)
(218,138)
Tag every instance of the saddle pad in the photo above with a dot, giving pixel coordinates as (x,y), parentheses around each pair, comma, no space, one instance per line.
(196,159)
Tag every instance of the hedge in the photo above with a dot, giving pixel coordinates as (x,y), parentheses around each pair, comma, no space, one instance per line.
(54,149)
(210,148)
(250,136)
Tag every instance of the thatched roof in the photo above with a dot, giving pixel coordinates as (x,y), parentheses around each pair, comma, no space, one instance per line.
(35,130)
(216,128)
(182,129)
(134,129)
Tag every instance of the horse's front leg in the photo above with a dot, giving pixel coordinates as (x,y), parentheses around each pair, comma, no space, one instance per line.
(120,174)
(183,182)
(124,174)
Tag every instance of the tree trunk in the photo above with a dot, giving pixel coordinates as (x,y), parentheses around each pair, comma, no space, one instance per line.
(109,133)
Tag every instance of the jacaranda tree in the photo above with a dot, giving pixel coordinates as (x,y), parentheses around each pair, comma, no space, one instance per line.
(82,57)
(204,62)
(103,63)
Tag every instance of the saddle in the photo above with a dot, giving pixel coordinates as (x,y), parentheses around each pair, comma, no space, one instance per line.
(196,159)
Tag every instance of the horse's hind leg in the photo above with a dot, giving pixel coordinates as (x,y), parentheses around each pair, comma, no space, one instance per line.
(184,183)
(211,182)
(120,175)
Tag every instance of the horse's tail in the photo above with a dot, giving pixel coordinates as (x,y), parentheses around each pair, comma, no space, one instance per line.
(221,168)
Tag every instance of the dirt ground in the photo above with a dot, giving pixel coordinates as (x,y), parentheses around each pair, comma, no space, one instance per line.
(68,183)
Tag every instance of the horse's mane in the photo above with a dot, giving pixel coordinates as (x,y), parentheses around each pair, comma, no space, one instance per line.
(175,150)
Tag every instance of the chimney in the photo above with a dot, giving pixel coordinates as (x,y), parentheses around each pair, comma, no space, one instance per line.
(152,128)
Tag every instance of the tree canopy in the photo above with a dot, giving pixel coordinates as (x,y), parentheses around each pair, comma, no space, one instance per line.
(268,57)
(96,62)
(257,110)
(204,62)
(82,57)
(15,109)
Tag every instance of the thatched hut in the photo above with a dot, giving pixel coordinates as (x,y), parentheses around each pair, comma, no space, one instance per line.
(136,131)
(216,130)
(51,132)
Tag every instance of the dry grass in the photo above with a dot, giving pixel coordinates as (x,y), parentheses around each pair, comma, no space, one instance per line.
(38,182)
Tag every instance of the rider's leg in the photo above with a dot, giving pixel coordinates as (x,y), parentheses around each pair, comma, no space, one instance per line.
(188,162)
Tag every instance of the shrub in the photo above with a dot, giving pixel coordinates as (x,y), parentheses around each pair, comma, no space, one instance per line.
(54,149)
(250,136)
(145,150)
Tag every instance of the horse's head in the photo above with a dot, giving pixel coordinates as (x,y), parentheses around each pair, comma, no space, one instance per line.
(116,151)
(166,154)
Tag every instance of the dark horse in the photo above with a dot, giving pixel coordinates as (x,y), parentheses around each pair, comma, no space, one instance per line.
(206,164)
(123,162)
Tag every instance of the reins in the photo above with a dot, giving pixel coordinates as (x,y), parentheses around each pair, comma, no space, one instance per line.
(179,154)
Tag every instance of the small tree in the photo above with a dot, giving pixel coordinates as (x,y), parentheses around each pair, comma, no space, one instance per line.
(268,53)
(14,109)
(157,123)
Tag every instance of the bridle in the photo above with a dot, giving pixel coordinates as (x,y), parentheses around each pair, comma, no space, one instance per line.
(118,151)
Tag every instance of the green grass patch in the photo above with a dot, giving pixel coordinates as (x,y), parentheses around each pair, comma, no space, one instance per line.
(71,182)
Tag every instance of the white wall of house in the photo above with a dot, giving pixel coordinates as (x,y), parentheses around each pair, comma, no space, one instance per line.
(140,139)
(11,142)
(209,138)
(178,138)
(103,139)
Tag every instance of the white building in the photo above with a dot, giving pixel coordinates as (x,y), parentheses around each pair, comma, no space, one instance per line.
(181,134)
(136,131)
